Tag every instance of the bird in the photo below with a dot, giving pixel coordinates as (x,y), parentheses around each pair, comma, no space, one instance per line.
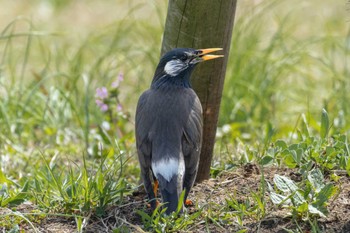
(169,126)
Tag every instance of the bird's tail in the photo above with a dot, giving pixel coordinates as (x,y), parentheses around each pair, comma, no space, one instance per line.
(171,201)
(169,173)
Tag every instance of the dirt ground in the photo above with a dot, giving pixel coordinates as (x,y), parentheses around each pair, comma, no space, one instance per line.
(211,195)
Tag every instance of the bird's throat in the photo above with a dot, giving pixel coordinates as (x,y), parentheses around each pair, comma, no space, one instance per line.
(167,81)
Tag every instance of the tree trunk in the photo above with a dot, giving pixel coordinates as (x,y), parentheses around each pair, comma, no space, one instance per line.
(203,24)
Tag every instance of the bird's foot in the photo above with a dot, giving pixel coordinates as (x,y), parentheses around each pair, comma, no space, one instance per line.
(149,204)
(155,191)
(188,202)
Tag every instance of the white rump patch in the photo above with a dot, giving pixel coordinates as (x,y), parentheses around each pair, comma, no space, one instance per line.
(174,67)
(167,168)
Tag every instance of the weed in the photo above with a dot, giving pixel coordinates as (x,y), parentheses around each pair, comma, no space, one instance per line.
(306,201)
(158,221)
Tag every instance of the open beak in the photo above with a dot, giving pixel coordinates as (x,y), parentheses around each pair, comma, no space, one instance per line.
(204,56)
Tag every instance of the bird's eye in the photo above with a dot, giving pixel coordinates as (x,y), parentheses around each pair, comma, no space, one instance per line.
(184,57)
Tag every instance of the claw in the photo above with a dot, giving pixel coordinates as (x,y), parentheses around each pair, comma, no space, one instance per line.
(149,205)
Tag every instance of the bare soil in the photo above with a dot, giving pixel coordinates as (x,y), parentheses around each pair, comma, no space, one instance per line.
(211,195)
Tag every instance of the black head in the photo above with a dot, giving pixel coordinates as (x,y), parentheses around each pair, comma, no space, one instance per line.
(176,66)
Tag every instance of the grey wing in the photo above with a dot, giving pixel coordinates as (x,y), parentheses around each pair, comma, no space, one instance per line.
(142,125)
(191,144)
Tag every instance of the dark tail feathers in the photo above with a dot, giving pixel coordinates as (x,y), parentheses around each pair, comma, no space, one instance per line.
(171,200)
(170,195)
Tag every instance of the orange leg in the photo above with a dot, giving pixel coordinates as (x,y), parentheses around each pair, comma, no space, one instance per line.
(155,190)
(188,202)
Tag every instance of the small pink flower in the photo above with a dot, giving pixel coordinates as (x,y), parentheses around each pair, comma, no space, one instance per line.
(119,108)
(99,102)
(102,93)
(117,82)
(103,107)
(121,76)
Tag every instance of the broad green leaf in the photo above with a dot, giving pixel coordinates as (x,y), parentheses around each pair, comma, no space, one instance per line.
(293,147)
(281,144)
(310,141)
(316,179)
(297,154)
(18,198)
(289,160)
(339,145)
(325,194)
(335,177)
(303,146)
(266,160)
(285,184)
(324,124)
(298,199)
(271,152)
(303,207)
(331,152)
(342,138)
(278,198)
(316,210)
(329,165)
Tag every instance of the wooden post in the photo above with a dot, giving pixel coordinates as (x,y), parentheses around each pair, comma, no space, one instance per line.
(203,24)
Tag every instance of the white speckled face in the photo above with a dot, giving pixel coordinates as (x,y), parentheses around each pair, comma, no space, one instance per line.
(174,67)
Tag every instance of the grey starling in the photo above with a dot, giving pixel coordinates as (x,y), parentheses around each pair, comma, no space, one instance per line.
(169,127)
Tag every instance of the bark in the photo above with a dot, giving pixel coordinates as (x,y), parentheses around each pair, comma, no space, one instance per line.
(203,24)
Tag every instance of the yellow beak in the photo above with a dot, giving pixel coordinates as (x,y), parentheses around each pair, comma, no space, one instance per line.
(203,53)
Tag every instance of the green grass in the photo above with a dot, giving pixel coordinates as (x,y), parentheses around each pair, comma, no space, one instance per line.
(61,153)
(282,65)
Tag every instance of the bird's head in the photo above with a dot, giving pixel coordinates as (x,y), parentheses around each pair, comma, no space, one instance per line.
(176,66)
